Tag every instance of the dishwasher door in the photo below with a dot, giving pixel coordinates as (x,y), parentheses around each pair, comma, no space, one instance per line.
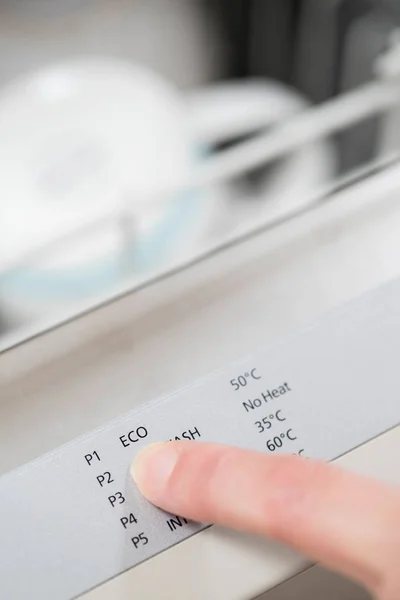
(78,375)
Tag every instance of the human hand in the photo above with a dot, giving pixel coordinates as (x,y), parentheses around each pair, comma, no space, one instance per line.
(348,523)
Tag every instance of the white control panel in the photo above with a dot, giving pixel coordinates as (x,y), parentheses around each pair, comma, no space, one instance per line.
(73,519)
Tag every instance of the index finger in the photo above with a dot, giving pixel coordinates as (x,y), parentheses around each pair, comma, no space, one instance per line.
(347,522)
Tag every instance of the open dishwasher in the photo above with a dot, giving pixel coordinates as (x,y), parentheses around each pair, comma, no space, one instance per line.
(304,286)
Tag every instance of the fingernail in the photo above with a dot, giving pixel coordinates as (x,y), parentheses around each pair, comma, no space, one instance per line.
(152,469)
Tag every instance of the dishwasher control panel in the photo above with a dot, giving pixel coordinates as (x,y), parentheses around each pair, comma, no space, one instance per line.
(73,519)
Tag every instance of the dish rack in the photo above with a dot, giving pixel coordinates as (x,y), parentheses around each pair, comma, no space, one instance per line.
(379,97)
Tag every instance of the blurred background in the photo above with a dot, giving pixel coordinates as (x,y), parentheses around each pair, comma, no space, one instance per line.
(109,109)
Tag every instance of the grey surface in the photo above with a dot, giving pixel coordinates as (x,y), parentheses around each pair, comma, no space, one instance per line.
(317,584)
(60,534)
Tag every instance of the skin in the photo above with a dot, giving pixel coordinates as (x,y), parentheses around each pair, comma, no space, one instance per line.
(348,523)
